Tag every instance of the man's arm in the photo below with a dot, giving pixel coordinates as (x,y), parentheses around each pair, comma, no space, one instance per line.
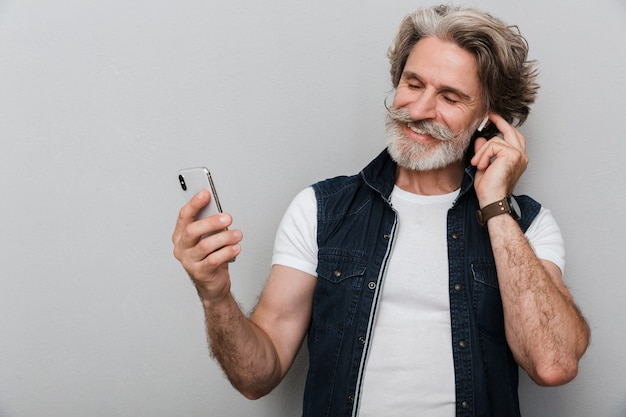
(254,353)
(544,328)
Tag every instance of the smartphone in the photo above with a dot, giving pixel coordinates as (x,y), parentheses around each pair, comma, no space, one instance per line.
(191,181)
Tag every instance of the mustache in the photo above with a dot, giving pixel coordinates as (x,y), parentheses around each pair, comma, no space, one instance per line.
(423,127)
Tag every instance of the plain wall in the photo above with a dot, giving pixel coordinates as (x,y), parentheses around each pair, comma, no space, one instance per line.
(102,101)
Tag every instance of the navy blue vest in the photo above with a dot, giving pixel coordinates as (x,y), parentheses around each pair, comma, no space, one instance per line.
(356,226)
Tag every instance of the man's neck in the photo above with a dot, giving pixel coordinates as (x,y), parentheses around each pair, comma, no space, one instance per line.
(434,182)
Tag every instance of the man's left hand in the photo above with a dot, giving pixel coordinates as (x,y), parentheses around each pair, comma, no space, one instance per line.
(500,162)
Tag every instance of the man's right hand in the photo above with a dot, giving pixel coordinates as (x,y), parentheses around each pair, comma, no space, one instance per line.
(206,259)
(255,353)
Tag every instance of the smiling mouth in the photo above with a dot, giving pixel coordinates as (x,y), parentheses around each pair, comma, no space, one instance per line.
(416,129)
(426,136)
(431,130)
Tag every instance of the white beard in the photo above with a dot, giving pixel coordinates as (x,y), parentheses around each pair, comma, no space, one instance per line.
(449,148)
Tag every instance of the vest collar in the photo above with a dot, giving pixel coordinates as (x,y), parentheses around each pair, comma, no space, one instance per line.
(380,175)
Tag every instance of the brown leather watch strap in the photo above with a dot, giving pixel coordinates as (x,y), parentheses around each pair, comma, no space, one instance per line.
(493,210)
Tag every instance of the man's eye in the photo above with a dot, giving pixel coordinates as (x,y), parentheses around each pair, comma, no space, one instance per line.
(450,100)
(414,86)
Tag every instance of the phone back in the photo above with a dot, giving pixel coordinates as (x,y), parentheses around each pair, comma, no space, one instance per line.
(191,181)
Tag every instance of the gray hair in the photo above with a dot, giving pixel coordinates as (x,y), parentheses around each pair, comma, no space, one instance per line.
(507,78)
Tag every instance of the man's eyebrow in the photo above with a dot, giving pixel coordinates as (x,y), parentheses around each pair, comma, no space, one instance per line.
(445,88)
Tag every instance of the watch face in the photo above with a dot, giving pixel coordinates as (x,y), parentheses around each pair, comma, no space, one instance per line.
(516,212)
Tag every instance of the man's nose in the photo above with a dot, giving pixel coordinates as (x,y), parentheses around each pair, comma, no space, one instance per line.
(424,106)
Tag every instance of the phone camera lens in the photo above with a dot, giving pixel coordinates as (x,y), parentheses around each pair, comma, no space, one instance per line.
(182,182)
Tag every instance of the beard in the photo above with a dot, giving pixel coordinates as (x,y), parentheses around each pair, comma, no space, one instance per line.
(449,148)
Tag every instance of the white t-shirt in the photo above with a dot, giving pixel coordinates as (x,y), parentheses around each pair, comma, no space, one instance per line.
(407,373)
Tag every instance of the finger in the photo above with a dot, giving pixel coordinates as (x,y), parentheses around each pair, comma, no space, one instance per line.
(212,252)
(495,148)
(478,148)
(218,241)
(222,255)
(189,211)
(483,153)
(203,229)
(509,133)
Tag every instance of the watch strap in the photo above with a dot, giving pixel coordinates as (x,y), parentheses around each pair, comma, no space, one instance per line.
(493,210)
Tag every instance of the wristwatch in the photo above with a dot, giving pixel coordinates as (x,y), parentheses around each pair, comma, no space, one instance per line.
(504,206)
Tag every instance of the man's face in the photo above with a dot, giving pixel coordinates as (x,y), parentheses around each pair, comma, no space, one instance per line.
(437,106)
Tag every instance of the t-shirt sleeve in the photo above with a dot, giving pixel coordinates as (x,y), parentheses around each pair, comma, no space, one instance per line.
(295,245)
(545,238)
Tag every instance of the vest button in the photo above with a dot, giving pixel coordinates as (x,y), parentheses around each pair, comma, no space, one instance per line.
(350,399)
(371,285)
(456,235)
(361,340)
(463,344)
(465,405)
(458,287)
(387,236)
(337,273)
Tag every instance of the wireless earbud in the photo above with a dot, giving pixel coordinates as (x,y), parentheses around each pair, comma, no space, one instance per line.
(483,124)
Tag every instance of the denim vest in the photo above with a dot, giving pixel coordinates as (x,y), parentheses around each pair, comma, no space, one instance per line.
(356,228)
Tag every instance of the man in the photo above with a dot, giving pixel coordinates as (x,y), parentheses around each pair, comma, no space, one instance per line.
(421,282)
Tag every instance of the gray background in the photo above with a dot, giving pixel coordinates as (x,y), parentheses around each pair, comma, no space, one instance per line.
(101,101)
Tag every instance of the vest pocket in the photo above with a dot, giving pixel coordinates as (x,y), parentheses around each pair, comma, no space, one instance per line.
(340,277)
(486,298)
